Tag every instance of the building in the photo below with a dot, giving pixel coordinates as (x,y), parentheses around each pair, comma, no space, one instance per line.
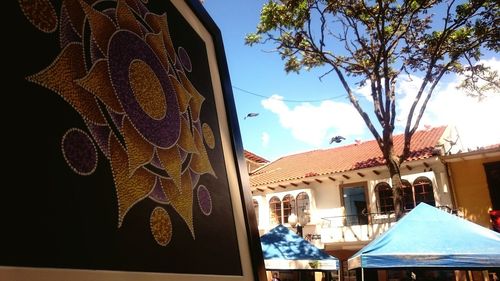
(343,195)
(253,161)
(475,180)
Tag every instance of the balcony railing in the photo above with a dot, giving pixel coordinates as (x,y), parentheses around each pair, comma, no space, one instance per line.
(362,227)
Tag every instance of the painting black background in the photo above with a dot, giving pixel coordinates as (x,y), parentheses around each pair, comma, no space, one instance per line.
(52,217)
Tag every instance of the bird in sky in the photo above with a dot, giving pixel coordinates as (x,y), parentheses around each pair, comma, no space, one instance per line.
(336,139)
(251,114)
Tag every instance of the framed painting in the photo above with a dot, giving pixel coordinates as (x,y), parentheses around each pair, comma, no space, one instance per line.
(123,152)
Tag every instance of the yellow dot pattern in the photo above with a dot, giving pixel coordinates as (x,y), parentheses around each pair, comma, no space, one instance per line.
(147,89)
(208,135)
(161,226)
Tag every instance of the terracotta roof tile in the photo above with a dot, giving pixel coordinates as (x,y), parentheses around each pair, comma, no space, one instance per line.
(497,145)
(254,157)
(341,159)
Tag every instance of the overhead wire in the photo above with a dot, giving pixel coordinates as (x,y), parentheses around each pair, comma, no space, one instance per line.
(287,100)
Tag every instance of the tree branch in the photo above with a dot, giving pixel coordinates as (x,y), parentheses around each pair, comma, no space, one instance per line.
(356,105)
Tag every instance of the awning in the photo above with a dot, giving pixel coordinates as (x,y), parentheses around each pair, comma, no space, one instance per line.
(285,250)
(429,237)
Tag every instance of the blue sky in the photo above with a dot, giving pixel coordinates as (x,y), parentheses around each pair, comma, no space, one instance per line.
(284,126)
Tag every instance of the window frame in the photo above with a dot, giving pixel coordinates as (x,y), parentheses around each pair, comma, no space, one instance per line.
(363,184)
(287,210)
(288,205)
(384,188)
(275,215)
(407,186)
(423,182)
(303,211)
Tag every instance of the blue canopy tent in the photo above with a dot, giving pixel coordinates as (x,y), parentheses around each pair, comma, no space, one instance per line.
(430,238)
(285,250)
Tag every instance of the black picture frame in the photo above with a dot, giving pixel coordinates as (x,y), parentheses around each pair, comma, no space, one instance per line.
(46,116)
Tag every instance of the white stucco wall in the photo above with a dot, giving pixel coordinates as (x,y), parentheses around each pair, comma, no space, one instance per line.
(325,197)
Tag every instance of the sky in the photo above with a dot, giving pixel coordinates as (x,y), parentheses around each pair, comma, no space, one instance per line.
(300,112)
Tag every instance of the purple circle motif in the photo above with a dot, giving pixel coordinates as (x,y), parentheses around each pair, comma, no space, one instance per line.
(125,47)
(79,151)
(185,60)
(204,200)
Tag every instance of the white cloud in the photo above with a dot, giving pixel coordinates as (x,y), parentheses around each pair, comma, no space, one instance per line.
(265,139)
(476,121)
(365,91)
(406,91)
(312,124)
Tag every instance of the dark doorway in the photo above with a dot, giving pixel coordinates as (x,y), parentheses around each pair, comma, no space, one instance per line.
(492,171)
(355,204)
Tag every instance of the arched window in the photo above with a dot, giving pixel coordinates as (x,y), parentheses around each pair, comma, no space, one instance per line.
(385,198)
(256,208)
(275,210)
(302,204)
(288,207)
(408,200)
(422,188)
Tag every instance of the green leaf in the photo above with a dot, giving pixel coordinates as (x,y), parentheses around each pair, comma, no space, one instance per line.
(252,38)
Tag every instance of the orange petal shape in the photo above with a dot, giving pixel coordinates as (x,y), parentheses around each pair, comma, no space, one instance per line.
(160,24)
(171,160)
(200,163)
(139,150)
(40,13)
(129,189)
(97,82)
(161,226)
(183,96)
(181,200)
(197,99)
(126,19)
(186,140)
(208,135)
(101,25)
(155,41)
(61,77)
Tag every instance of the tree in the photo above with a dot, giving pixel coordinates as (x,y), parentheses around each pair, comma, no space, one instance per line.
(375,42)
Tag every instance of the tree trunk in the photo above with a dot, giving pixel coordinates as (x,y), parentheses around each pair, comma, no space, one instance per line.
(394,171)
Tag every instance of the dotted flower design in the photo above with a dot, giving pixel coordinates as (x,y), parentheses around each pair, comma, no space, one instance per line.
(118,68)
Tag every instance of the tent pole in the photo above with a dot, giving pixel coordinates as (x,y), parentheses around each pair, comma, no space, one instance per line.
(362,274)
